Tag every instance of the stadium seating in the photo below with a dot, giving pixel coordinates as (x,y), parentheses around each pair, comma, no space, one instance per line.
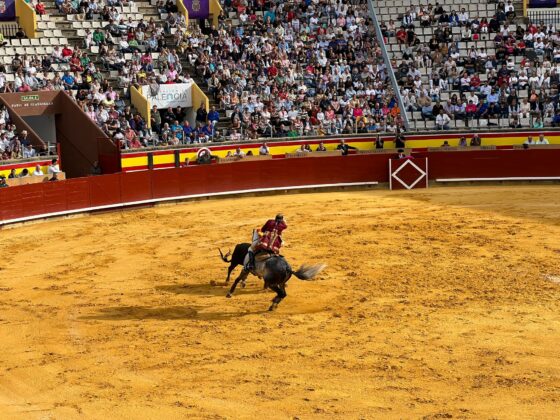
(287,69)
(439,57)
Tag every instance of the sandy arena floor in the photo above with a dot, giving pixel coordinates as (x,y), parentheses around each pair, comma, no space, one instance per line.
(437,304)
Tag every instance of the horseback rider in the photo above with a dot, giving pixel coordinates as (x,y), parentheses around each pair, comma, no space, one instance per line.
(270,240)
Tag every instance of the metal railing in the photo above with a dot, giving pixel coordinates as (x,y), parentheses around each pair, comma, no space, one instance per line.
(387,61)
(547,16)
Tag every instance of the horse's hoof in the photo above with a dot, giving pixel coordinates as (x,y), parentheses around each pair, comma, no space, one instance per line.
(243,285)
(228,295)
(272,307)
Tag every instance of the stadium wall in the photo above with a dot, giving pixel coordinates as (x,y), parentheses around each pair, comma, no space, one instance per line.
(123,189)
(79,139)
(141,104)
(27,18)
(138,160)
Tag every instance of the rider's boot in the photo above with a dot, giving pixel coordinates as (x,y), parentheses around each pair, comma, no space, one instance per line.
(251,263)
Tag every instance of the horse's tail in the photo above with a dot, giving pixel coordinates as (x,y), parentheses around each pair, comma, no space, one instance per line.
(307,272)
(224,257)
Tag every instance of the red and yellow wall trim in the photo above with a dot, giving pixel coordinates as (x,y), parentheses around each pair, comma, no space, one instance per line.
(132,161)
(503,138)
(166,158)
(30,166)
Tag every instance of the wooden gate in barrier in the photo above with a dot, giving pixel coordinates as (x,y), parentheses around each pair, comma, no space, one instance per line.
(408,173)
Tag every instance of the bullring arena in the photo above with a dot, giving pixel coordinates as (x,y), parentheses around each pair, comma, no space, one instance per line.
(435,303)
(412,150)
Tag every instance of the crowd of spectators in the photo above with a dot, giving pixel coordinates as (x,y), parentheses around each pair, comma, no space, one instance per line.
(285,69)
(290,69)
(136,50)
(14,145)
(515,81)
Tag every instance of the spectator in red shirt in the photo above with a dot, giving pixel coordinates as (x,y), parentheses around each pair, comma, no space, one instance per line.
(40,8)
(25,88)
(135,143)
(401,35)
(358,113)
(475,81)
(67,52)
(272,71)
(470,110)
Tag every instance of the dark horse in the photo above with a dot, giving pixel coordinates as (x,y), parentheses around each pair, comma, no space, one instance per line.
(275,271)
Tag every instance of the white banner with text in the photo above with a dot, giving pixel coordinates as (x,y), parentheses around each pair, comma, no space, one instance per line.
(164,96)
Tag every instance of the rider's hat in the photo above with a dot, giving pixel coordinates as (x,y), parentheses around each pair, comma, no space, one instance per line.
(279,216)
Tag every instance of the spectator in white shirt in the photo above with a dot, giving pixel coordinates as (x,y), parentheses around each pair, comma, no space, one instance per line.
(4,143)
(472,97)
(539,46)
(29,152)
(38,171)
(264,150)
(239,153)
(463,17)
(235,136)
(542,140)
(53,167)
(442,121)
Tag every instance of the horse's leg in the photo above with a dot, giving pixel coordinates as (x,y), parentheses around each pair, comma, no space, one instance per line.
(281,293)
(242,276)
(276,299)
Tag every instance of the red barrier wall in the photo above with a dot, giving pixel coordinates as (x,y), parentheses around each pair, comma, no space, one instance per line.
(117,189)
(490,164)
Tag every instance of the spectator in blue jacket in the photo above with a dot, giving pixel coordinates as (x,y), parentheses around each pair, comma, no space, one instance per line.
(189,131)
(482,108)
(177,129)
(214,116)
(208,130)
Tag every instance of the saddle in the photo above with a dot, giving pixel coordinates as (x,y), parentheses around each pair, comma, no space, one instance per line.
(260,257)
(263,255)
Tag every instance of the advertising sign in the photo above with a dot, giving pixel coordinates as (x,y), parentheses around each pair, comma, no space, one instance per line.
(164,96)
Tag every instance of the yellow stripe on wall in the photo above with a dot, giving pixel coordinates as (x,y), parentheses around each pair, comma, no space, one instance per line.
(129,162)
(160,159)
(163,159)
(486,141)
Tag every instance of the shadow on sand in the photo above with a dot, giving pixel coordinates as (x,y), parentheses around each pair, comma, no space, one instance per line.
(218,289)
(126,313)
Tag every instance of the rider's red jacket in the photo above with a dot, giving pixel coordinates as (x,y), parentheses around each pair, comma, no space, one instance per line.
(272,225)
(272,235)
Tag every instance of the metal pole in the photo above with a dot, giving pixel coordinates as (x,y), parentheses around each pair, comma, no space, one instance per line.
(387,61)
